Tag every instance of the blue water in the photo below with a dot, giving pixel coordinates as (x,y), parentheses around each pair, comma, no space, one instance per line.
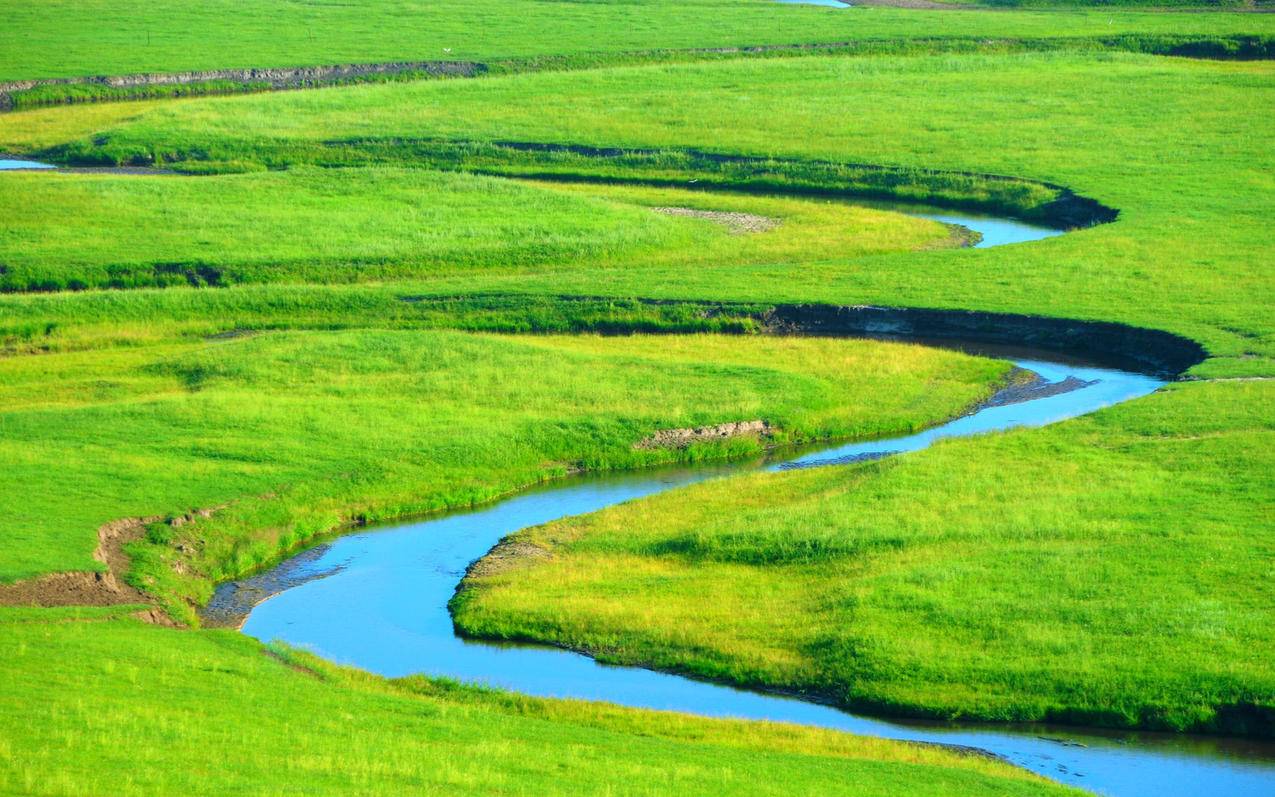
(378,600)
(11,164)
(829,3)
(996,231)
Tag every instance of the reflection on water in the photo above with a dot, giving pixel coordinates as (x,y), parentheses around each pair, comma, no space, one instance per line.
(996,232)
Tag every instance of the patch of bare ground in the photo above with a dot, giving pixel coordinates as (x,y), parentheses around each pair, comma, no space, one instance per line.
(929,5)
(503,557)
(681,438)
(100,588)
(736,223)
(86,588)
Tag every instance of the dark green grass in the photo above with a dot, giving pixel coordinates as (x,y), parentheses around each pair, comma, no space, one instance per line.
(1109,571)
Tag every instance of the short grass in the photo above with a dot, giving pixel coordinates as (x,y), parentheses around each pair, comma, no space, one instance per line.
(308,225)
(59,38)
(127,709)
(1194,196)
(1113,571)
(304,432)
(1094,534)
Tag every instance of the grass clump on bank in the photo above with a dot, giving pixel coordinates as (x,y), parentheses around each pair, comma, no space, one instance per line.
(304,432)
(1108,571)
(215,713)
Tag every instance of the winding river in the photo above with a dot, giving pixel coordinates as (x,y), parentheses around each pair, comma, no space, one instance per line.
(378,600)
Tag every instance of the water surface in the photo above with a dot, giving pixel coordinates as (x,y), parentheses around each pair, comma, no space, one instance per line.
(13,164)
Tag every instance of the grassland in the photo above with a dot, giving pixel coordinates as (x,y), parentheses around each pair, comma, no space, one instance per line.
(1194,196)
(134,710)
(1112,569)
(308,225)
(64,38)
(1109,582)
(306,432)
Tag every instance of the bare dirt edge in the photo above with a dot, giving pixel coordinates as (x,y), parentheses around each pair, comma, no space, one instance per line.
(736,222)
(99,588)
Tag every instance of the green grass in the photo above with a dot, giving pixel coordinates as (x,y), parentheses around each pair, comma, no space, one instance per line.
(306,225)
(1113,569)
(1194,196)
(135,710)
(305,432)
(1110,571)
(62,38)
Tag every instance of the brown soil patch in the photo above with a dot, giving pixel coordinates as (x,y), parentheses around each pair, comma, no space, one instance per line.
(86,589)
(505,556)
(98,588)
(681,438)
(735,223)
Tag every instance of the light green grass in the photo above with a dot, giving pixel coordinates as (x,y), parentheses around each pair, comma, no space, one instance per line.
(114,401)
(1113,570)
(135,710)
(304,432)
(1195,195)
(89,37)
(347,225)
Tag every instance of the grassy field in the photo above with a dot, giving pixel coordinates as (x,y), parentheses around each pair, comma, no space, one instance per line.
(306,432)
(1194,196)
(307,225)
(61,38)
(1103,573)
(301,331)
(135,710)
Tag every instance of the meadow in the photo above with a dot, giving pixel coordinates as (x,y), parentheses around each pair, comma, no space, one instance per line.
(367,302)
(1103,573)
(318,226)
(65,38)
(1193,196)
(136,710)
(303,433)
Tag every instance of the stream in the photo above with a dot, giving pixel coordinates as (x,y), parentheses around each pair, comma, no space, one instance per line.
(378,599)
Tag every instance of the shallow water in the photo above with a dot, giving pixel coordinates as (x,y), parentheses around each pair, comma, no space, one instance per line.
(996,231)
(829,3)
(378,600)
(12,164)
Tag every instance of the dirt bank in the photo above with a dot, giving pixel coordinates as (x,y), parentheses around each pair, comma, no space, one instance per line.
(87,588)
(269,78)
(100,588)
(736,223)
(681,438)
